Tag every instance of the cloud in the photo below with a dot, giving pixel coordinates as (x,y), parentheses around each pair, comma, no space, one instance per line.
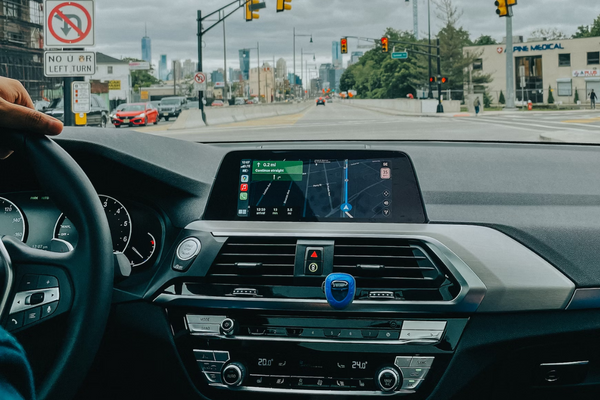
(172,25)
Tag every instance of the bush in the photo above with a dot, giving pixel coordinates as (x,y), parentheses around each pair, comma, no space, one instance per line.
(550,95)
(487,101)
(576,96)
(502,100)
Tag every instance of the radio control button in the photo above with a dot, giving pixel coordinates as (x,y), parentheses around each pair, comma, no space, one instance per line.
(351,334)
(276,332)
(256,331)
(204,355)
(388,379)
(403,361)
(414,373)
(293,331)
(205,328)
(370,333)
(227,326)
(222,356)
(424,325)
(411,384)
(421,362)
(419,335)
(312,333)
(204,319)
(213,377)
(332,333)
(389,335)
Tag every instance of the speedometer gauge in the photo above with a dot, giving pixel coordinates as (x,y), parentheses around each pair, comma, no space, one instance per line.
(119,222)
(12,221)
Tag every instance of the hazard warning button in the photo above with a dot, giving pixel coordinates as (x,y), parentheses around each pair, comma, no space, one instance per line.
(314,254)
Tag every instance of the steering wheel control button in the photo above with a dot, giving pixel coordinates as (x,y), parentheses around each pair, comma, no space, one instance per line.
(188,248)
(47,281)
(403,361)
(204,355)
(388,379)
(32,315)
(28,282)
(313,267)
(233,374)
(411,384)
(35,299)
(423,362)
(15,321)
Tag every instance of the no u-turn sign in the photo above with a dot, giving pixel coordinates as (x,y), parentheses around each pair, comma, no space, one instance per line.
(69,23)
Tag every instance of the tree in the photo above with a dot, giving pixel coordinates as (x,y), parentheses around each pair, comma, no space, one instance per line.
(576,99)
(141,78)
(487,100)
(502,100)
(453,39)
(550,95)
(485,40)
(548,34)
(584,31)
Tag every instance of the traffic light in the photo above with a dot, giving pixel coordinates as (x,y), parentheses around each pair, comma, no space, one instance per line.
(444,79)
(431,79)
(384,44)
(284,5)
(252,7)
(344,45)
(501,8)
(511,3)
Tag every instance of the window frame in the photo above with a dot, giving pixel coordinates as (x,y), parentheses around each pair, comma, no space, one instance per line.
(109,70)
(564,82)
(597,59)
(560,65)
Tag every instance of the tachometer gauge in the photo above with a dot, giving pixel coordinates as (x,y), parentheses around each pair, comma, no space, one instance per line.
(12,221)
(141,249)
(119,222)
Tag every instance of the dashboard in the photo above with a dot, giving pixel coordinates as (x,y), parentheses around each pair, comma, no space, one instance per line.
(336,269)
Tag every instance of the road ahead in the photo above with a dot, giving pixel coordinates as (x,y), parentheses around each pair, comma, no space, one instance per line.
(338,121)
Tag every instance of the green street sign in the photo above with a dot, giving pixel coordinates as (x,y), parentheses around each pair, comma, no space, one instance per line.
(400,55)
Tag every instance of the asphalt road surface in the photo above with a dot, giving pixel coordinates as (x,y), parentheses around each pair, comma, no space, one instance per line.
(338,121)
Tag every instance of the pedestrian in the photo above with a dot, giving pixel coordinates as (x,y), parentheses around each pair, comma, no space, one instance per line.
(477,104)
(593,98)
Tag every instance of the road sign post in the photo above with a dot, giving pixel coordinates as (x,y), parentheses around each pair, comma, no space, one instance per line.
(200,80)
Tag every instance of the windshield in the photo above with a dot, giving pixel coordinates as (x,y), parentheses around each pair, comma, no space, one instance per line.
(405,70)
(133,107)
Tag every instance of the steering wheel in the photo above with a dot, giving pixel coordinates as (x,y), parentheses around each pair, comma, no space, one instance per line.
(79,281)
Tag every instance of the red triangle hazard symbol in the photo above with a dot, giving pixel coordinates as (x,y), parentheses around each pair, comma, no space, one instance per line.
(314,254)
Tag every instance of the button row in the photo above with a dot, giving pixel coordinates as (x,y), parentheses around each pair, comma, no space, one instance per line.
(24,318)
(410,361)
(296,382)
(211,355)
(326,333)
(32,282)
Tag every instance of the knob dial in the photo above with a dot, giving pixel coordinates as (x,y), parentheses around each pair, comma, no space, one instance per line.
(233,374)
(227,326)
(388,379)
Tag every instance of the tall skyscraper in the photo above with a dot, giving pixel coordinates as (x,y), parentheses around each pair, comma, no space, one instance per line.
(281,70)
(355,56)
(245,63)
(336,54)
(163,70)
(177,70)
(146,48)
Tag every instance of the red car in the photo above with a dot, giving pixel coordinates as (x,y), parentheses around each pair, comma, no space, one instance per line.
(140,114)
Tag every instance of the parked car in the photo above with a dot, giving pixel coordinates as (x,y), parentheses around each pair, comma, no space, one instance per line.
(320,101)
(41,105)
(135,114)
(170,107)
(217,103)
(239,101)
(98,115)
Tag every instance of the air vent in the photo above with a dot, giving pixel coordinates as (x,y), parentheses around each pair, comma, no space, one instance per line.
(249,260)
(405,267)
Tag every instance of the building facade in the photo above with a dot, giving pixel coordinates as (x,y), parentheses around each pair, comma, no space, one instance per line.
(189,68)
(267,83)
(163,70)
(147,49)
(245,63)
(281,70)
(217,76)
(115,72)
(569,67)
(21,48)
(336,54)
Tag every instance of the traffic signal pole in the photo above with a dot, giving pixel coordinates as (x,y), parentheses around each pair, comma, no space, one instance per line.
(440,107)
(199,68)
(510,72)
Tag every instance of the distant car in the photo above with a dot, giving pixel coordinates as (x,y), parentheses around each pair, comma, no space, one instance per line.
(98,115)
(320,101)
(239,101)
(217,103)
(41,105)
(140,114)
(172,106)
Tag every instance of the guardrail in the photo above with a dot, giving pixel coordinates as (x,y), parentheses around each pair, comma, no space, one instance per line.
(405,106)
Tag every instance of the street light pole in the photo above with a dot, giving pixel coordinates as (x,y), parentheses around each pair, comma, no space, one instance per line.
(510,74)
(440,107)
(258,70)
(224,61)
(199,67)
(430,93)
(294,77)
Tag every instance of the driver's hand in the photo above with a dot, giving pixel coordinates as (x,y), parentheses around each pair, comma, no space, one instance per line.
(18,113)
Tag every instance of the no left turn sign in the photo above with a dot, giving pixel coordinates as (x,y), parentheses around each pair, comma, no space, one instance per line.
(69,23)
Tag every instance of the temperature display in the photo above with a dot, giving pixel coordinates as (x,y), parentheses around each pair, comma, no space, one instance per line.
(359,364)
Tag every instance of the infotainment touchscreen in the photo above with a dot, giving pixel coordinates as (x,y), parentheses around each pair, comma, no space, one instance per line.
(332,186)
(319,188)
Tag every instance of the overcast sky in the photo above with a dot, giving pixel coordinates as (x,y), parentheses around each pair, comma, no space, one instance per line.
(172,25)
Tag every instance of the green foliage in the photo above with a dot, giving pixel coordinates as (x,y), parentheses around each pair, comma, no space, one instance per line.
(502,100)
(576,99)
(487,100)
(484,40)
(584,31)
(550,95)
(547,34)
(140,78)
